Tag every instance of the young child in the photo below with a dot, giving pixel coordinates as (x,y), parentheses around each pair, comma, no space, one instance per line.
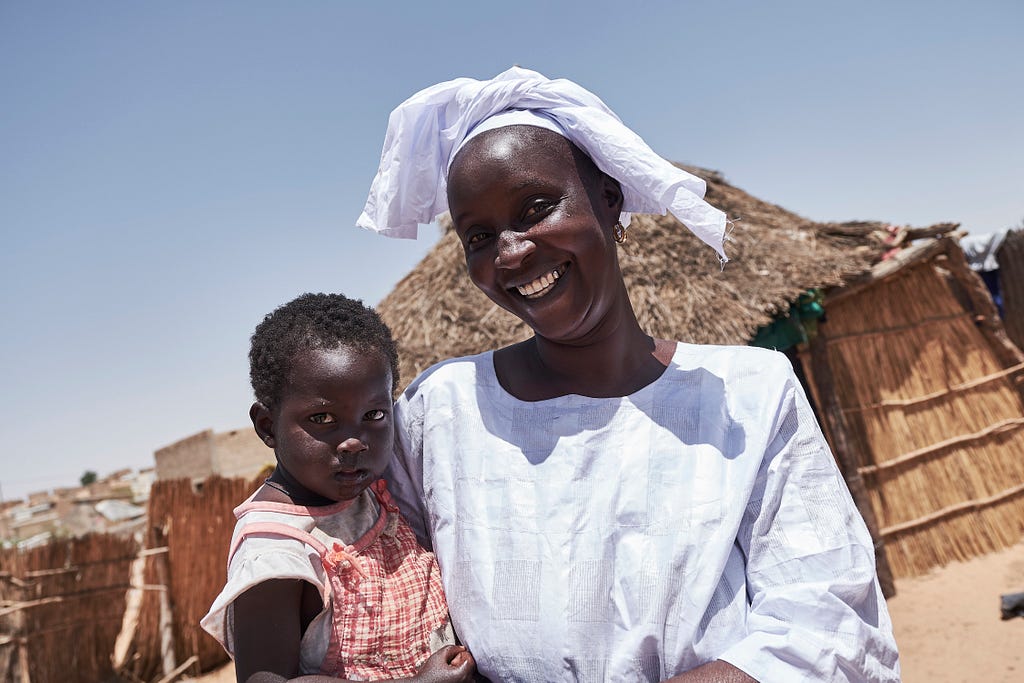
(324,576)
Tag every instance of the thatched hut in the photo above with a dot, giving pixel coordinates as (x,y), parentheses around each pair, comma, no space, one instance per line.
(915,379)
(921,330)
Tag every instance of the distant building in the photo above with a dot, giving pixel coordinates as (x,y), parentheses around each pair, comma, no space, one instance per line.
(112,504)
(238,453)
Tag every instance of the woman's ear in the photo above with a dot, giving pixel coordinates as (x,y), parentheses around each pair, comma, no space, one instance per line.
(263,423)
(611,193)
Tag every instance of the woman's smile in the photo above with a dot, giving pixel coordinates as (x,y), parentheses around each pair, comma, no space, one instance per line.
(543,284)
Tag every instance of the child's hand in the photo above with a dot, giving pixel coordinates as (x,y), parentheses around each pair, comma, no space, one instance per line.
(450,664)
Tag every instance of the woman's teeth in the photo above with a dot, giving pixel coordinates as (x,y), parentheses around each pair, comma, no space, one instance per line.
(540,285)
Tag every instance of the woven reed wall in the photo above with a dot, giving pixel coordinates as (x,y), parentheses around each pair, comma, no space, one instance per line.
(934,417)
(195,526)
(1011,284)
(62,606)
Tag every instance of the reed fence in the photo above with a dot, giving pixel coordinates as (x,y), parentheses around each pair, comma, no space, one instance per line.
(107,607)
(194,524)
(934,416)
(61,607)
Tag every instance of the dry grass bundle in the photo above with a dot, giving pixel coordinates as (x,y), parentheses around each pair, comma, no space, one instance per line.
(934,416)
(62,607)
(674,281)
(1011,283)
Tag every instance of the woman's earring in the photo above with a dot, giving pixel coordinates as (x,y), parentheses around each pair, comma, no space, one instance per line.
(619,233)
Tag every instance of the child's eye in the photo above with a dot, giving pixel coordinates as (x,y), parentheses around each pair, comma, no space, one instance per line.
(476,238)
(375,415)
(322,418)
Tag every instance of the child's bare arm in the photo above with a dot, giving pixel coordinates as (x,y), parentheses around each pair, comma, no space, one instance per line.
(268,620)
(268,629)
(450,664)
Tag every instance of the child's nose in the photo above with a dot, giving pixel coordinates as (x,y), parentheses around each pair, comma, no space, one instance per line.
(352,445)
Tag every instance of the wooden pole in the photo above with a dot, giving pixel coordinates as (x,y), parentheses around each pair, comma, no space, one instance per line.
(166,617)
(130,621)
(843,448)
(177,671)
(23,656)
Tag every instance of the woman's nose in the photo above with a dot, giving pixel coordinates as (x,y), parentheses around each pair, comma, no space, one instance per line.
(352,445)
(513,248)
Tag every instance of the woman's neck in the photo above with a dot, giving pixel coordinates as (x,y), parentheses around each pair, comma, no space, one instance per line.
(615,362)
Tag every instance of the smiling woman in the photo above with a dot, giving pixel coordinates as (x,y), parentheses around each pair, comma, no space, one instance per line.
(606,505)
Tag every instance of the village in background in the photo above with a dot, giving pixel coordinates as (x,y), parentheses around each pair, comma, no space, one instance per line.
(116,502)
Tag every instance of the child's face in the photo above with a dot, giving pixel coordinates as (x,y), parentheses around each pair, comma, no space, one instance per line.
(332,429)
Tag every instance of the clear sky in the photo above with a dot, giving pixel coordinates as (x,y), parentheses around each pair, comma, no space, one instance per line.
(170,172)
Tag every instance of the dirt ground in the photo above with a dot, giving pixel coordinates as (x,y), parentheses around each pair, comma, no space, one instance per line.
(947,623)
(948,627)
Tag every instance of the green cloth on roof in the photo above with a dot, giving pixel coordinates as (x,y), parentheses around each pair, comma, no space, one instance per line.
(799,325)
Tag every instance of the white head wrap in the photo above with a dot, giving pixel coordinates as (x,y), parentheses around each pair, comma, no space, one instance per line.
(428,129)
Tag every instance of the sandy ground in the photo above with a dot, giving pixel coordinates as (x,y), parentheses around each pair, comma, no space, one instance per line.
(947,623)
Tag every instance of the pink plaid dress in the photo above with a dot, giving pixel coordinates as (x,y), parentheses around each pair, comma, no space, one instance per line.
(385,594)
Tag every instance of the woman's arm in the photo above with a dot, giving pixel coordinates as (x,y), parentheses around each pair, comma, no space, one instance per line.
(815,609)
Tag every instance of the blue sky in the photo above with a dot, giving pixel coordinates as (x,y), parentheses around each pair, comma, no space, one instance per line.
(170,172)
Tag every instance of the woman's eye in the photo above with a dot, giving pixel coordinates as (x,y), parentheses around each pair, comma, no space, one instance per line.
(322,418)
(376,415)
(537,208)
(476,238)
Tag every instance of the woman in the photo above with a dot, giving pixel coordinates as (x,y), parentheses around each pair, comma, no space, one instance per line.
(605,505)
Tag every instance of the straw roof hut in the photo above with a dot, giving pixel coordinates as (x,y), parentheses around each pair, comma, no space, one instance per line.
(915,379)
(921,411)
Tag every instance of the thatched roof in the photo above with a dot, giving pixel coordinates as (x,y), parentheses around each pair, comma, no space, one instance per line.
(676,285)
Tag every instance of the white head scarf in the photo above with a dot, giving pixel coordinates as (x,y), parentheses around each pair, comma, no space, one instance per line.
(428,129)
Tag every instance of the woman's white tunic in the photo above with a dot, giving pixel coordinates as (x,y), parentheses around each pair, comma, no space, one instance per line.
(635,538)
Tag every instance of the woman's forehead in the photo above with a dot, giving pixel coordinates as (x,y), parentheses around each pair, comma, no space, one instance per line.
(516,150)
(513,142)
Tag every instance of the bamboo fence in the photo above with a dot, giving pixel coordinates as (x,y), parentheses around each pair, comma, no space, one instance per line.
(935,419)
(61,607)
(194,524)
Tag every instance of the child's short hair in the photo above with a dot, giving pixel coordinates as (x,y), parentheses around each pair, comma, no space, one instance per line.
(313,321)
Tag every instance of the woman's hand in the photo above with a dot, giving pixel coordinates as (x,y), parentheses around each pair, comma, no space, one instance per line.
(450,664)
(713,672)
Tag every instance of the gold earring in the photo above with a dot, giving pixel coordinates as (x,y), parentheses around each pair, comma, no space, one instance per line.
(619,233)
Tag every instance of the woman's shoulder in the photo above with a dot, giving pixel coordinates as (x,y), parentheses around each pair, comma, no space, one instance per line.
(460,371)
(733,362)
